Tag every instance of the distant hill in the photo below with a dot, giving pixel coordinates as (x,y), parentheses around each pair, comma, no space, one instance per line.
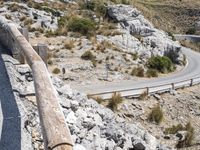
(176,16)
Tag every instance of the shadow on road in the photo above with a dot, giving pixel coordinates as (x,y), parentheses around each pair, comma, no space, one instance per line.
(10,121)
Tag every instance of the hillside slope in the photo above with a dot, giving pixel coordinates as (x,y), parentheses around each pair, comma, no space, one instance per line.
(169,15)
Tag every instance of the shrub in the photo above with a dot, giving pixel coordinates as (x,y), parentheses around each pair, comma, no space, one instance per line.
(187,141)
(135,56)
(69,44)
(28,21)
(95,5)
(156,115)
(162,64)
(56,70)
(88,56)
(137,71)
(50,62)
(126,2)
(174,129)
(98,99)
(191,31)
(152,73)
(143,95)
(115,100)
(82,25)
(94,62)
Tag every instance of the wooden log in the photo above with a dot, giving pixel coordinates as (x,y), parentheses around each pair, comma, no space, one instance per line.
(55,131)
(51,117)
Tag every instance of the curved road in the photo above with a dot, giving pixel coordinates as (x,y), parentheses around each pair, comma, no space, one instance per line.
(192,70)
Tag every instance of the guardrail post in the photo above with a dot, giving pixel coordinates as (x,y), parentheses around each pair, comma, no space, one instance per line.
(191,83)
(173,87)
(41,49)
(21,57)
(24,32)
(147,90)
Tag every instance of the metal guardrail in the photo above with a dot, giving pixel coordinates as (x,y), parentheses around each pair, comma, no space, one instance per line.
(136,92)
(193,38)
(55,131)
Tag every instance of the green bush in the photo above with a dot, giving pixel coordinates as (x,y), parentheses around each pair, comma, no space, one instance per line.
(156,115)
(115,100)
(95,5)
(138,71)
(88,56)
(162,64)
(84,26)
(152,73)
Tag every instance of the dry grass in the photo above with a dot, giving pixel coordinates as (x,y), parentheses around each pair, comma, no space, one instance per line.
(156,115)
(69,44)
(98,99)
(192,45)
(115,100)
(138,71)
(143,96)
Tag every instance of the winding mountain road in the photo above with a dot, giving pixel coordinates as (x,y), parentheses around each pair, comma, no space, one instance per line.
(192,70)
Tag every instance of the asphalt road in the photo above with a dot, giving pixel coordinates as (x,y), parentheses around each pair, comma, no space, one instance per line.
(192,70)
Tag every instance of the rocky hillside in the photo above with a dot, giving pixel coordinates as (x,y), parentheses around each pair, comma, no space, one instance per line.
(96,41)
(92,125)
(101,41)
(180,16)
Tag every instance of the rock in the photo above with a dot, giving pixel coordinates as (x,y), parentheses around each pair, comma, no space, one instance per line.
(78,147)
(23,69)
(181,135)
(150,140)
(158,97)
(139,145)
(148,40)
(74,105)
(71,118)
(173,92)
(130,18)
(57,82)
(66,90)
